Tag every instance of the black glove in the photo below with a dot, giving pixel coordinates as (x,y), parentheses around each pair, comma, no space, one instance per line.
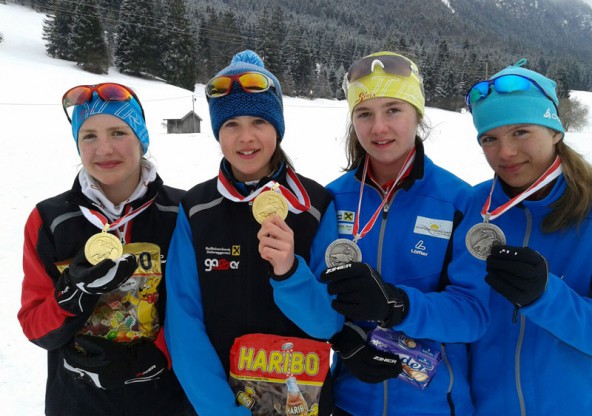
(363,361)
(363,295)
(80,284)
(518,273)
(106,364)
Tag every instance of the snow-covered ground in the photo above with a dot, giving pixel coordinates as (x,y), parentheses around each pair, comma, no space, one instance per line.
(39,160)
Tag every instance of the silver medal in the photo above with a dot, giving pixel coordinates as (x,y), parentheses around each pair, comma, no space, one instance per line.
(481,237)
(342,251)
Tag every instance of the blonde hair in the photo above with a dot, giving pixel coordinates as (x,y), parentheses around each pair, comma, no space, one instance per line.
(576,202)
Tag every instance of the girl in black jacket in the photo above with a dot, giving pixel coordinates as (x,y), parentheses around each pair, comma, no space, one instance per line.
(94,261)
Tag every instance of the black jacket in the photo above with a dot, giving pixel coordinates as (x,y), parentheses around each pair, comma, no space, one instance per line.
(55,231)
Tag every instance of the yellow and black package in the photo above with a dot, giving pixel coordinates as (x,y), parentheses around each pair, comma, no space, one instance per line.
(129,312)
(274,375)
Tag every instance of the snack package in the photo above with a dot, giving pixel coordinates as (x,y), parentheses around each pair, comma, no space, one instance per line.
(419,359)
(129,313)
(274,375)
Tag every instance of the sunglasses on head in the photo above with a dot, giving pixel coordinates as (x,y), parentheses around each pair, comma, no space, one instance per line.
(250,82)
(503,84)
(391,64)
(108,91)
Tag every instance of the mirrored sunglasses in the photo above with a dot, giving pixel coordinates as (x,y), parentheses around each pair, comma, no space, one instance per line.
(108,91)
(250,82)
(504,84)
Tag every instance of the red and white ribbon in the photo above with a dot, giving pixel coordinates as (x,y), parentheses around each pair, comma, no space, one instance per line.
(298,201)
(546,178)
(102,222)
(407,164)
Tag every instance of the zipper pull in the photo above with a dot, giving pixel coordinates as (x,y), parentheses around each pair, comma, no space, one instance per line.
(515,314)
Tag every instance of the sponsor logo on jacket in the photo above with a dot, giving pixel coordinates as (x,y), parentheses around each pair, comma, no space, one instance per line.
(433,227)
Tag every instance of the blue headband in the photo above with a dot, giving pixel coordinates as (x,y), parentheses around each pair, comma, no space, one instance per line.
(128,111)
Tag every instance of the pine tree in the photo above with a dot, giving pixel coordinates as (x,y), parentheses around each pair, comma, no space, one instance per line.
(57,30)
(136,50)
(88,44)
(178,59)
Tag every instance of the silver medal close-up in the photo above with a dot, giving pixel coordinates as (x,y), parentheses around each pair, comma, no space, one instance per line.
(342,251)
(481,237)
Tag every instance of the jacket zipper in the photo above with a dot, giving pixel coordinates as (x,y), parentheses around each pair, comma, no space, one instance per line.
(451,375)
(522,326)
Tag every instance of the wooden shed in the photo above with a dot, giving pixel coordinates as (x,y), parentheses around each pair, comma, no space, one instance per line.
(190,123)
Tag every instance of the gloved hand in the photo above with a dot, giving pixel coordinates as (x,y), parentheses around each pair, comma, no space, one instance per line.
(363,361)
(518,273)
(363,295)
(108,365)
(79,285)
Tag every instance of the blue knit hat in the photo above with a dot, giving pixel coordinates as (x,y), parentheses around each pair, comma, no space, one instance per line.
(128,111)
(266,105)
(519,107)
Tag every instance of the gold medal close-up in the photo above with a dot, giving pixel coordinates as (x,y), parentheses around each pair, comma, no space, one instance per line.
(269,203)
(102,246)
(481,237)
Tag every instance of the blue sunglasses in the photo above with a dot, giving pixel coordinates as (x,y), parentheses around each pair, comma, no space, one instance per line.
(503,84)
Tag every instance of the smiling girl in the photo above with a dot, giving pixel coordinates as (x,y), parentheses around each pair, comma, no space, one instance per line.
(242,246)
(414,278)
(94,263)
(536,357)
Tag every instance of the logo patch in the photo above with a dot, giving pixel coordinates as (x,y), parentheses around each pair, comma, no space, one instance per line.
(433,227)
(345,216)
(220,264)
(236,250)
(347,229)
(420,249)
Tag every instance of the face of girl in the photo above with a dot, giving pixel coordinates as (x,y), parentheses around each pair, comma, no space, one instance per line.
(248,143)
(111,153)
(386,129)
(520,153)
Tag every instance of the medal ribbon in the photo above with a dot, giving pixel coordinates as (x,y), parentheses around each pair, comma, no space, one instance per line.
(404,171)
(547,177)
(102,222)
(296,203)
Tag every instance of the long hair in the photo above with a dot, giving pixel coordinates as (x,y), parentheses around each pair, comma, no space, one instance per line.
(576,202)
(354,151)
(278,157)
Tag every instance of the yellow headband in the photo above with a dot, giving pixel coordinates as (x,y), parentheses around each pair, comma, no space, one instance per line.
(379,83)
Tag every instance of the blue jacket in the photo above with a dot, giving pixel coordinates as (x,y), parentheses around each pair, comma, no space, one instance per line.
(418,244)
(542,363)
(220,289)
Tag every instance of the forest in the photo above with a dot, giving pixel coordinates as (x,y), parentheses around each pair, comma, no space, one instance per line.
(309,44)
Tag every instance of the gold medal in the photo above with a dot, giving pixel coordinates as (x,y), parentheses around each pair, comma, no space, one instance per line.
(342,251)
(102,246)
(481,237)
(269,203)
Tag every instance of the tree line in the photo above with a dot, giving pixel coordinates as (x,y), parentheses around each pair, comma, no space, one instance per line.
(184,42)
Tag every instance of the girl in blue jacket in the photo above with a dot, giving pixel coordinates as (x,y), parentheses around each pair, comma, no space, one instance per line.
(412,274)
(536,357)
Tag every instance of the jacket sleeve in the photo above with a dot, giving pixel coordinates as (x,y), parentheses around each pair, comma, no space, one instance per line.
(459,312)
(195,361)
(564,313)
(302,297)
(43,321)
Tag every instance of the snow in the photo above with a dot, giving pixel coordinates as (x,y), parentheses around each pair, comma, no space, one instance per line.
(39,160)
